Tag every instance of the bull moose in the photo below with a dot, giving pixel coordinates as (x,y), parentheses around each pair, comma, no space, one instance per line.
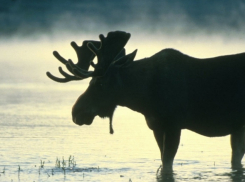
(172,90)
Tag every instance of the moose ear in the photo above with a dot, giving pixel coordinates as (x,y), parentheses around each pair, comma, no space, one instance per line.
(126,60)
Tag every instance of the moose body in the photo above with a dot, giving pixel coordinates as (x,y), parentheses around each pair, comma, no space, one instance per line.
(174,92)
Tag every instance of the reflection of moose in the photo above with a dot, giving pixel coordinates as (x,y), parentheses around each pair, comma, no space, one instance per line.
(172,90)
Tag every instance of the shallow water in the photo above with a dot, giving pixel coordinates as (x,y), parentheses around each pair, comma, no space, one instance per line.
(36,126)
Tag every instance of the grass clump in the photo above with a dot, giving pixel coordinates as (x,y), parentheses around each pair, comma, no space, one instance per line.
(70,163)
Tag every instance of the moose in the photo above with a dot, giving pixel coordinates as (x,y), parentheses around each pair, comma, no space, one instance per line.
(172,90)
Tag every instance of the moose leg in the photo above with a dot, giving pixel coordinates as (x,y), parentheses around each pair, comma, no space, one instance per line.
(238,147)
(168,143)
(158,134)
(171,141)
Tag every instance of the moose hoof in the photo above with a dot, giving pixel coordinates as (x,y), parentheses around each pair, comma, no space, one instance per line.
(164,170)
(236,165)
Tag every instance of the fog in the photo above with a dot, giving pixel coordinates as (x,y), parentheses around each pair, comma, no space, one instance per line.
(189,18)
(31,30)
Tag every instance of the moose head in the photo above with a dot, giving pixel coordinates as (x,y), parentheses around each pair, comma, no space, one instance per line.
(100,98)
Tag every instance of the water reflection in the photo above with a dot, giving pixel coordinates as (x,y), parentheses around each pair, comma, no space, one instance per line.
(237,175)
(162,176)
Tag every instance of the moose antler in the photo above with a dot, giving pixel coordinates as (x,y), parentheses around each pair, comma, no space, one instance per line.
(85,58)
(111,47)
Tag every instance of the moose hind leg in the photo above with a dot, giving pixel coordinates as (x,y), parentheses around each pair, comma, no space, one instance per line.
(238,147)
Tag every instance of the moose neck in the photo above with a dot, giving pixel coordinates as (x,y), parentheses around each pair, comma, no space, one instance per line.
(134,86)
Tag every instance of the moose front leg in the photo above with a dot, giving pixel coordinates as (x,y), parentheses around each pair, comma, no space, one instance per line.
(168,142)
(158,134)
(238,147)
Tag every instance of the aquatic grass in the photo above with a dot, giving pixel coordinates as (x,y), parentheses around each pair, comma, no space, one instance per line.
(64,170)
(62,166)
(70,163)
(65,165)
(19,172)
(39,170)
(57,164)
(42,164)
(63,162)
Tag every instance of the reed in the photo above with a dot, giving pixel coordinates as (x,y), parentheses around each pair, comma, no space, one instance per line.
(62,165)
(42,164)
(70,163)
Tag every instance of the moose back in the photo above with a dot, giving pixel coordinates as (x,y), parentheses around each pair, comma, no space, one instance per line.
(172,90)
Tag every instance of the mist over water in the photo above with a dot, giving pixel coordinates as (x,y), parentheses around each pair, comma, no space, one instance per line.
(33,18)
(35,112)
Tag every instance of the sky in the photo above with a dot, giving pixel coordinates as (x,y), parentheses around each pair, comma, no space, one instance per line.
(28,18)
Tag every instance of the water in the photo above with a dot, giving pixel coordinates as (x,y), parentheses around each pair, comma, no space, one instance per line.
(36,126)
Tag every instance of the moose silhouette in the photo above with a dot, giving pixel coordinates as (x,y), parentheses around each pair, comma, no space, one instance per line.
(172,90)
